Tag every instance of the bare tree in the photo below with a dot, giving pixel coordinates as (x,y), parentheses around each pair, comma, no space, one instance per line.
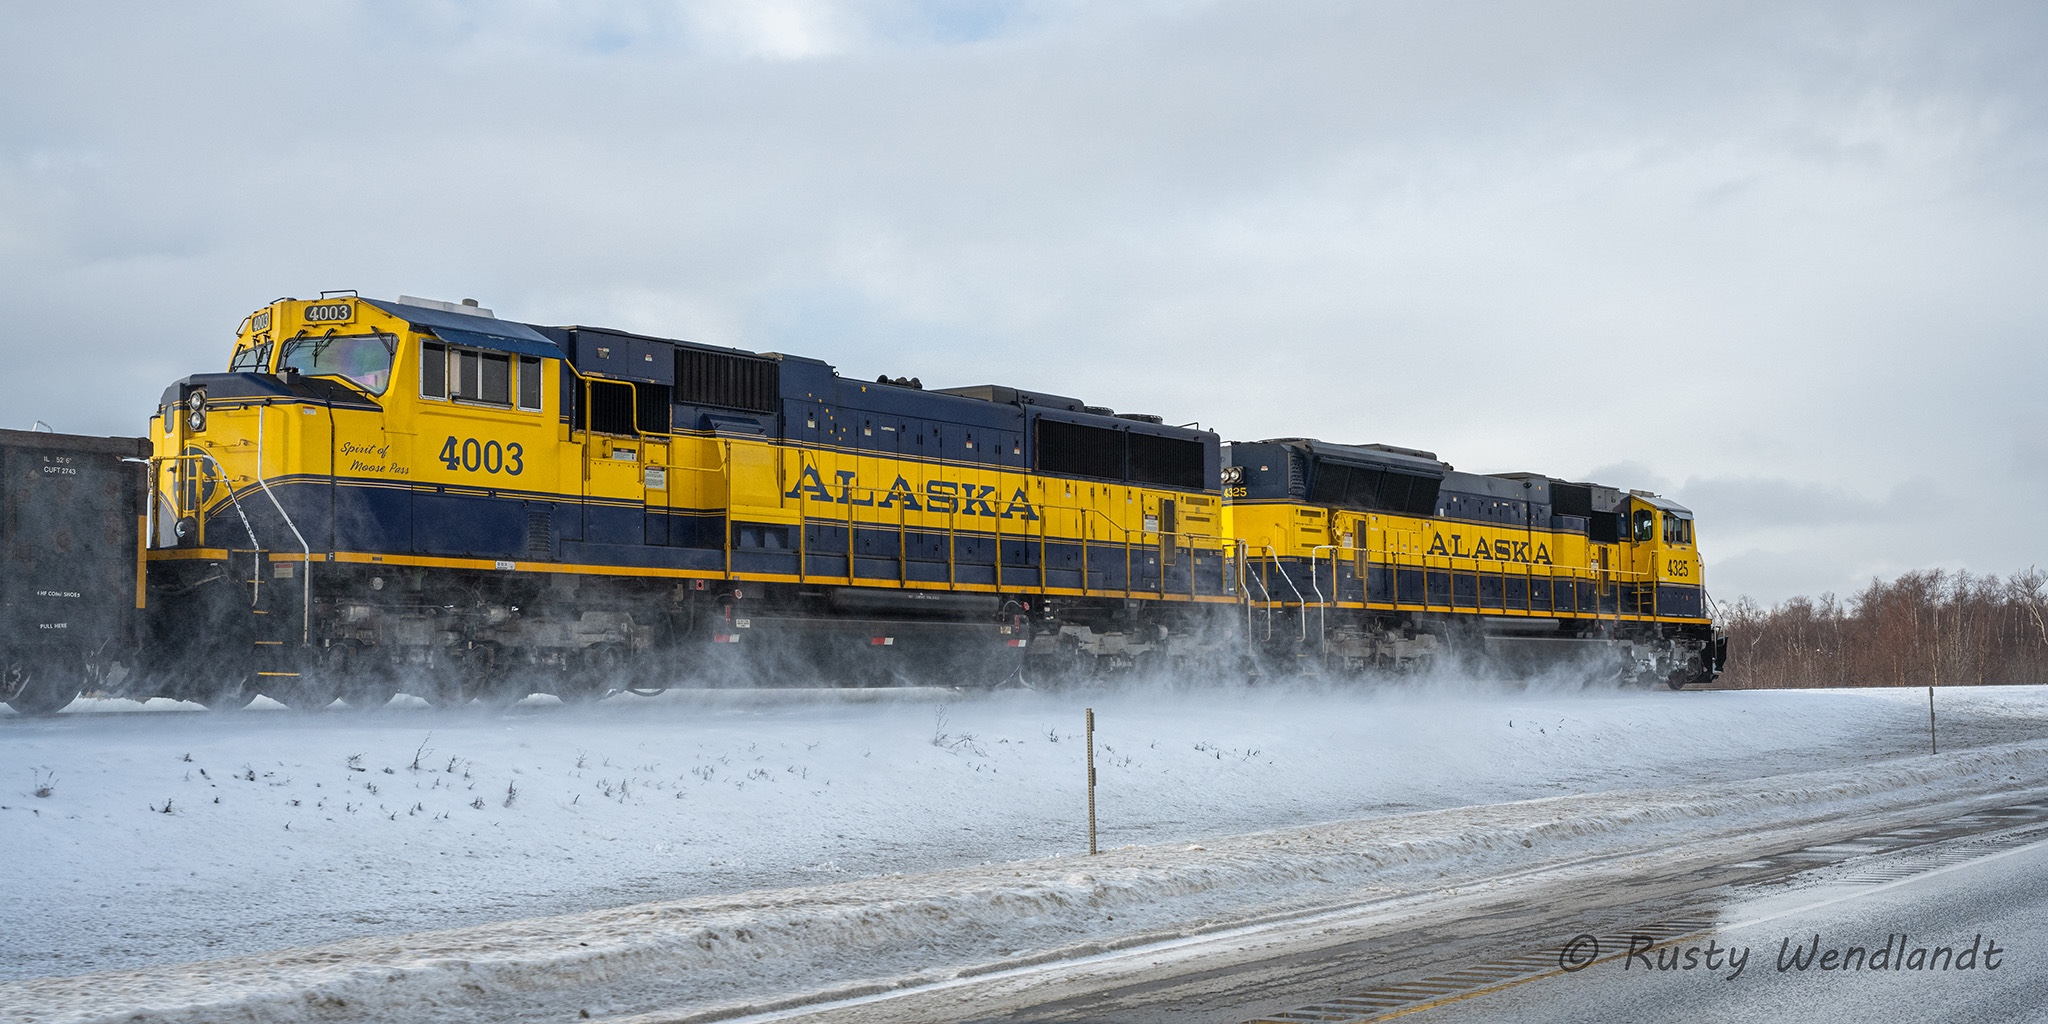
(1931,626)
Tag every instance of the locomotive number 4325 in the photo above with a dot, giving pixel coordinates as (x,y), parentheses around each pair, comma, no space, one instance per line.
(468,453)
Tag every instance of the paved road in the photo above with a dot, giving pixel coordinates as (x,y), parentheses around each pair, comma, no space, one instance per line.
(1495,953)
(1992,912)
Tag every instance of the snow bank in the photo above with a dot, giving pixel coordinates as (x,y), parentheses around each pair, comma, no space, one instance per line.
(726,954)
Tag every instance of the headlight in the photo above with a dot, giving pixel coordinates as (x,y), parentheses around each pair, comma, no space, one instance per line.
(195,410)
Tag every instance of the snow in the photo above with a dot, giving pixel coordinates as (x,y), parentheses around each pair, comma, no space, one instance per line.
(709,846)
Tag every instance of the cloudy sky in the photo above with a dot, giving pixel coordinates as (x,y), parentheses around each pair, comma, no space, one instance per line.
(1787,262)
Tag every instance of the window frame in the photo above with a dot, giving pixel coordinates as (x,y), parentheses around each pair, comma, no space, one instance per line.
(262,353)
(525,369)
(1677,529)
(466,366)
(391,342)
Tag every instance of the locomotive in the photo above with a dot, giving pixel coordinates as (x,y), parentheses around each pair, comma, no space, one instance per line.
(382,496)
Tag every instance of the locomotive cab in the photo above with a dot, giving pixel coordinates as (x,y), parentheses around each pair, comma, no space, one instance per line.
(327,400)
(1665,562)
(346,432)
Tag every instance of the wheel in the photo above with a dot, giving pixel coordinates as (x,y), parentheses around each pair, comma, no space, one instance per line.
(498,690)
(367,694)
(583,694)
(306,693)
(38,692)
(597,668)
(364,676)
(321,671)
(1148,666)
(492,677)
(440,690)
(1054,662)
(232,693)
(578,692)
(500,696)
(448,679)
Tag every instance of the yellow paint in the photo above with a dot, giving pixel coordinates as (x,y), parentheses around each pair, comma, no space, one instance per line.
(410,441)
(1279,529)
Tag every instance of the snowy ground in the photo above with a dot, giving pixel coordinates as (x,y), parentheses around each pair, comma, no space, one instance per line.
(166,838)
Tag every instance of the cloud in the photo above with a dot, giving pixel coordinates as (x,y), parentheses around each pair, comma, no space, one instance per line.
(1761,503)
(1790,252)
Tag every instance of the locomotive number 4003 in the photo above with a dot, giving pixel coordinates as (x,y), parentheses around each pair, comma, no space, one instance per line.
(487,456)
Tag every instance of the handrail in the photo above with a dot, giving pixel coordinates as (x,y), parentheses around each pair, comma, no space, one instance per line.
(306,573)
(1322,603)
(725,471)
(1244,573)
(1424,561)
(1086,535)
(1298,599)
(233,498)
(1605,577)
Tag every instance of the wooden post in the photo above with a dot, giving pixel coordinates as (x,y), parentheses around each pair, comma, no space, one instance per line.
(1091,782)
(1936,747)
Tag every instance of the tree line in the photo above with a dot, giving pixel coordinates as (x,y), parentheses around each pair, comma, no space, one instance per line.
(1935,626)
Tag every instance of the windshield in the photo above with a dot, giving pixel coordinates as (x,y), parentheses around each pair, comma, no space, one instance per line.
(364,359)
(254,359)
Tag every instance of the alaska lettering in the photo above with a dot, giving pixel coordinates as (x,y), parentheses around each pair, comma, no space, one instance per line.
(939,496)
(1498,551)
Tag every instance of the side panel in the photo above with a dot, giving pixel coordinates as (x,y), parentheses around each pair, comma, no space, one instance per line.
(69,510)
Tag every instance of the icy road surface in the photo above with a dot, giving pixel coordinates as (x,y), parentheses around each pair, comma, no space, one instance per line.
(168,838)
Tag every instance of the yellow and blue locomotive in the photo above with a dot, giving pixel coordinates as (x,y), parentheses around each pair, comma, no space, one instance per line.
(1378,555)
(417,495)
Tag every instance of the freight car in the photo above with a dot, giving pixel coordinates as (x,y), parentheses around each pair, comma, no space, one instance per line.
(70,564)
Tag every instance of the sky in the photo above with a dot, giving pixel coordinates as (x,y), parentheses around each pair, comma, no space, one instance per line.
(1770,259)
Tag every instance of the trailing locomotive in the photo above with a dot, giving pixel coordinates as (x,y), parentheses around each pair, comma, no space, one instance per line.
(1377,555)
(414,495)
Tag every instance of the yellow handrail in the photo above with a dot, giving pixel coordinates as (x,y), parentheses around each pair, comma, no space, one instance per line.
(1128,541)
(1604,577)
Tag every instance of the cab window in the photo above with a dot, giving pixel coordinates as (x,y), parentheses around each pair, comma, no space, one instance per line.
(478,375)
(1645,524)
(254,359)
(362,359)
(1677,530)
